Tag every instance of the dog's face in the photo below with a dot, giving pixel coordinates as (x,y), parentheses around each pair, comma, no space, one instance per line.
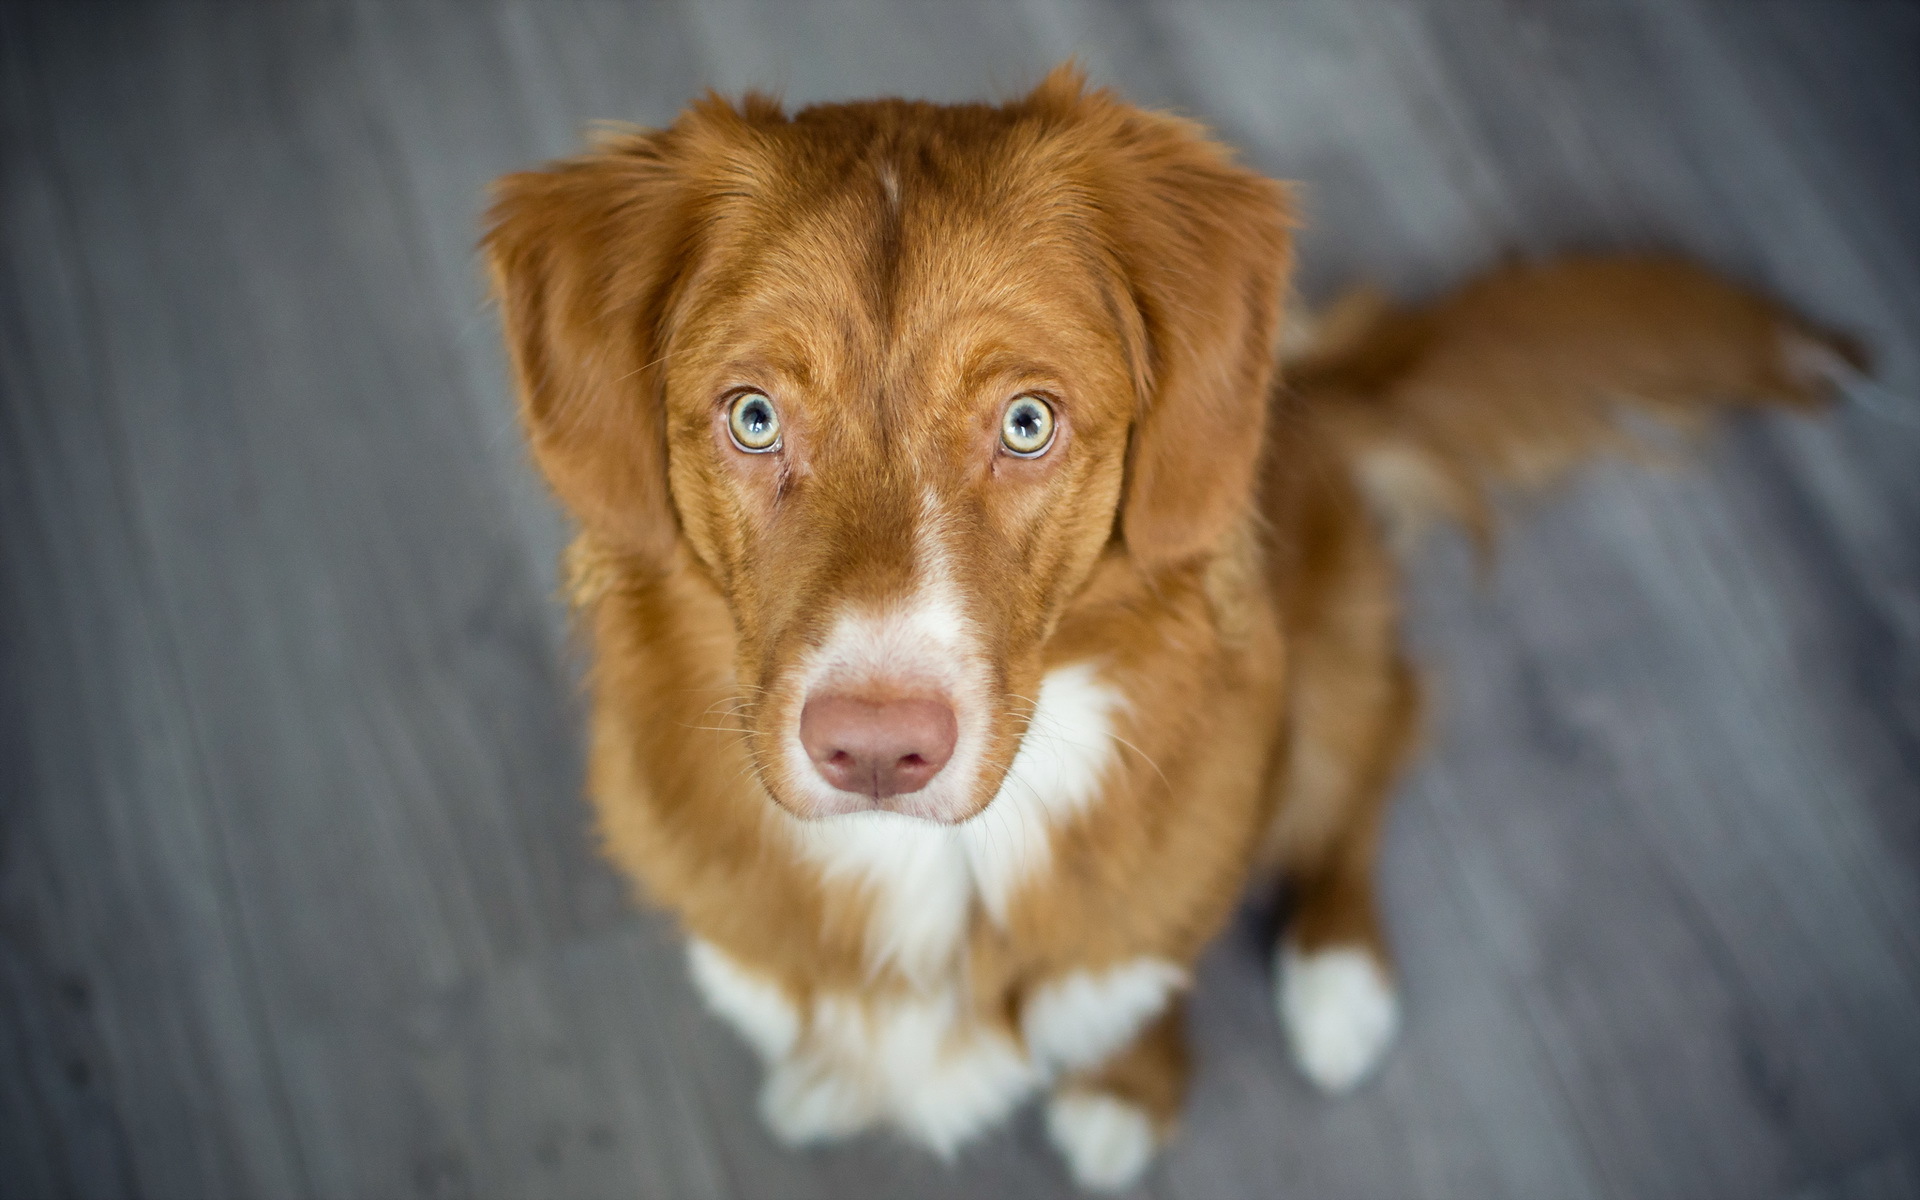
(896,376)
(895,435)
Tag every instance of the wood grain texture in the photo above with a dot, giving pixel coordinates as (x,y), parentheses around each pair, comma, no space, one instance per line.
(297,896)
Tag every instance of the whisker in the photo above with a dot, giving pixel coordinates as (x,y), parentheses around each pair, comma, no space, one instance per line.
(1144,755)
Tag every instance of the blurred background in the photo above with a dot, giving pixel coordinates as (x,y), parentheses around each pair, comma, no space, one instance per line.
(297,892)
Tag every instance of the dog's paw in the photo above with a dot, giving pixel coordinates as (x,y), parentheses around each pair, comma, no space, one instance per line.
(1339,1010)
(802,1105)
(1106,1141)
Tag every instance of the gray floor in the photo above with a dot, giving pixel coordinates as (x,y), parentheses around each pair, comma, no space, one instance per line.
(296,896)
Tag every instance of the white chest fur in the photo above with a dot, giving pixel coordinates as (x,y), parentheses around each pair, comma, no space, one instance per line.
(918,1060)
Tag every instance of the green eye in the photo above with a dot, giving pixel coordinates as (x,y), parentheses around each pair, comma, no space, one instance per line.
(1027,427)
(753,423)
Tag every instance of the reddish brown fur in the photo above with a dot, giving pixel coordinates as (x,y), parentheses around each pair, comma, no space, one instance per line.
(899,269)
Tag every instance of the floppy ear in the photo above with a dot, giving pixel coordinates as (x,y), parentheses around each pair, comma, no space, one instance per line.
(1205,248)
(585,255)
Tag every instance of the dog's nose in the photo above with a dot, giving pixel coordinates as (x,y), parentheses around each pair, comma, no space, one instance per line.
(877,747)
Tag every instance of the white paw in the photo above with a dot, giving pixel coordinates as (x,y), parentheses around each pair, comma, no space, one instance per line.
(802,1104)
(1106,1141)
(1339,1010)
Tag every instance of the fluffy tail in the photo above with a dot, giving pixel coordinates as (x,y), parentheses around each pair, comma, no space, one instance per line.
(1513,378)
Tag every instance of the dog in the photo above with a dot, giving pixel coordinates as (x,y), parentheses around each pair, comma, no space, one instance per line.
(976,605)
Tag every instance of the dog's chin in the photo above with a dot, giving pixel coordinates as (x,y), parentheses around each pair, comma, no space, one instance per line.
(939,803)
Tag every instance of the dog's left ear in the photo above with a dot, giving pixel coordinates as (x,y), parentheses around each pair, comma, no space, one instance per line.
(1205,246)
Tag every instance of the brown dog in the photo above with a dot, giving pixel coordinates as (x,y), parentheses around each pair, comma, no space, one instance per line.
(972,614)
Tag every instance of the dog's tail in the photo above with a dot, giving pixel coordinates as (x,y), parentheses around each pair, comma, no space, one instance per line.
(1513,378)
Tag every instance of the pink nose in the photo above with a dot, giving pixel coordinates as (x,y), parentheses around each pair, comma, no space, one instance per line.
(880,748)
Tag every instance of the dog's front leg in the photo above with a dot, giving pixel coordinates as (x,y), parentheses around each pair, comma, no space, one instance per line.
(1107,1121)
(1333,981)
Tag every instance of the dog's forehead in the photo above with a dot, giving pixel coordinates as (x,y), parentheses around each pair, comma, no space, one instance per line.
(900,265)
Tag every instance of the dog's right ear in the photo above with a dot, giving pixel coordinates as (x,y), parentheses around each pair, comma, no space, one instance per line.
(586,255)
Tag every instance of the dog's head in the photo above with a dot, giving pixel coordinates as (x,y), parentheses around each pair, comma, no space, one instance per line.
(896,376)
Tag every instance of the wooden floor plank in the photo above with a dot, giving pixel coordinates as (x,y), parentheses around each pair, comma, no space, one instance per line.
(123,945)
(350,628)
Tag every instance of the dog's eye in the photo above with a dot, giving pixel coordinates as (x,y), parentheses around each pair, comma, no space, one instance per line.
(1027,427)
(753,423)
